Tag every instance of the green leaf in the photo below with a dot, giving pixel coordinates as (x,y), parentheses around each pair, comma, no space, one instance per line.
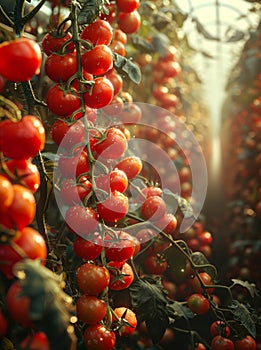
(173,198)
(251,287)
(141,44)
(179,310)
(201,29)
(125,65)
(161,20)
(89,11)
(149,301)
(243,316)
(160,43)
(50,307)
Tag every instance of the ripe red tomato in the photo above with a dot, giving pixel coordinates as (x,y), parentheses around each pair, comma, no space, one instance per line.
(98,33)
(90,309)
(127,5)
(119,35)
(23,59)
(74,133)
(30,242)
(129,22)
(110,17)
(114,208)
(61,67)
(72,193)
(153,208)
(120,248)
(6,193)
(23,139)
(221,343)
(130,165)
(198,304)
(116,81)
(121,275)
(149,192)
(200,346)
(169,54)
(81,220)
(52,43)
(205,238)
(89,248)
(219,328)
(36,341)
(118,47)
(168,224)
(62,103)
(26,171)
(132,114)
(155,264)
(101,93)
(92,279)
(97,337)
(206,279)
(74,166)
(126,315)
(3,324)
(2,84)
(22,210)
(247,343)
(113,146)
(98,60)
(116,180)
(18,306)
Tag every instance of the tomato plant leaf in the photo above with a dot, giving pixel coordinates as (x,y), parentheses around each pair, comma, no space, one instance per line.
(178,310)
(141,44)
(89,11)
(125,65)
(173,200)
(160,43)
(200,260)
(251,287)
(243,316)
(50,307)
(149,301)
(161,19)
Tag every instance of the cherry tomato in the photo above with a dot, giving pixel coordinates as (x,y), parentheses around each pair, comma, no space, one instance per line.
(110,17)
(113,146)
(61,67)
(125,315)
(127,5)
(6,193)
(22,61)
(153,208)
(72,193)
(116,81)
(2,84)
(101,93)
(60,102)
(219,328)
(97,337)
(92,279)
(26,172)
(98,60)
(118,47)
(89,248)
(131,115)
(75,166)
(3,324)
(129,23)
(198,304)
(155,264)
(168,224)
(30,242)
(36,341)
(90,309)
(130,165)
(120,248)
(247,343)
(18,306)
(200,346)
(121,275)
(114,208)
(81,220)
(116,180)
(119,35)
(23,139)
(205,238)
(221,343)
(98,33)
(206,279)
(52,43)
(22,210)
(74,133)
